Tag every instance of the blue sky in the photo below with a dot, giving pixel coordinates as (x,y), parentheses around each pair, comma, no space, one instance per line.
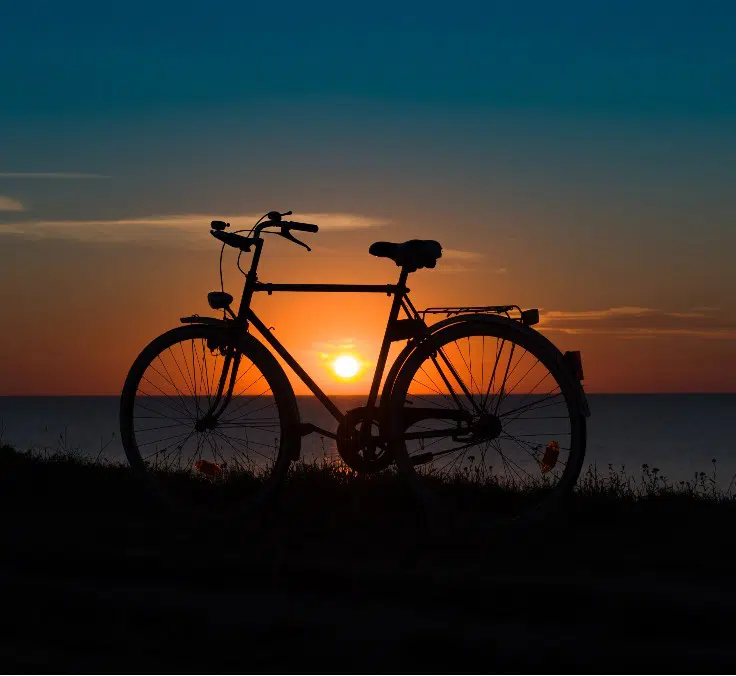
(603,58)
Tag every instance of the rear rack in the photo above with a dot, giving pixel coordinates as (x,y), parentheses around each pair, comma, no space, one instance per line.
(450,311)
(528,317)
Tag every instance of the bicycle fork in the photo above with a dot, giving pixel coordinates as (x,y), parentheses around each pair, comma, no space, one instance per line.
(217,406)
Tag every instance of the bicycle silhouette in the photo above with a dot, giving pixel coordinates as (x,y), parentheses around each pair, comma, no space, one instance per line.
(477,409)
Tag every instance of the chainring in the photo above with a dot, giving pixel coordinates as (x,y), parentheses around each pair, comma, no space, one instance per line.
(364,459)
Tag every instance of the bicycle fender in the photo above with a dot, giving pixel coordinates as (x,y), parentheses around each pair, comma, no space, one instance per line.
(486,319)
(413,344)
(559,356)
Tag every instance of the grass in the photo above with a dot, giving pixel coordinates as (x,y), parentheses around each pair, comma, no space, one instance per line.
(652,483)
(325,500)
(326,512)
(37,474)
(338,545)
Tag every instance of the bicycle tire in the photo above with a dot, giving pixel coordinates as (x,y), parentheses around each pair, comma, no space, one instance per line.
(227,468)
(474,495)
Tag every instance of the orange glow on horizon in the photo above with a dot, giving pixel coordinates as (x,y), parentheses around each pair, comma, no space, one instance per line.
(93,358)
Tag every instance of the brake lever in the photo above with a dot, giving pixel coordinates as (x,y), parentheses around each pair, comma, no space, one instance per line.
(286,234)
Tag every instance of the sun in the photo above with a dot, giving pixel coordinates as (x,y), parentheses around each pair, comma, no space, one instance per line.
(346,366)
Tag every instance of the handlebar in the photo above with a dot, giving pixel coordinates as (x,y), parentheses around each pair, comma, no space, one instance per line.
(286,225)
(233,240)
(304,227)
(274,220)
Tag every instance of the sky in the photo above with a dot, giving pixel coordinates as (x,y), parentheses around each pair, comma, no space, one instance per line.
(577,157)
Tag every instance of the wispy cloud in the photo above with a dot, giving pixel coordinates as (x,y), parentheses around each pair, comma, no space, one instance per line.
(624,311)
(457,254)
(337,221)
(10,204)
(333,346)
(10,229)
(705,308)
(49,174)
(458,261)
(641,322)
(190,228)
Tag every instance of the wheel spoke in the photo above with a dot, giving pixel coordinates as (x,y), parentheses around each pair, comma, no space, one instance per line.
(173,414)
(502,449)
(171,380)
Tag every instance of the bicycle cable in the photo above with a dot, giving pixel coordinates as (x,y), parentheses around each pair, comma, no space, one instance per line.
(222,251)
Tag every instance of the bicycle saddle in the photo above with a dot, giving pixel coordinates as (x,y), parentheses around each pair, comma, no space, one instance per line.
(412,255)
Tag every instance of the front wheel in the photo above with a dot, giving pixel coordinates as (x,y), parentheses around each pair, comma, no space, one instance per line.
(209,420)
(487,422)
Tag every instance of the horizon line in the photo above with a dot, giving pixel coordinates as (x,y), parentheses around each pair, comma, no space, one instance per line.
(365,394)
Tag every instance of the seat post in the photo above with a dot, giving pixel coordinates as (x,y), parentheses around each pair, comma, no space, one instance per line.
(386,344)
(403,276)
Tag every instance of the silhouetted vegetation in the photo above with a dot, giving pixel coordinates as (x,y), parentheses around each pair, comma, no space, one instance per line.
(38,476)
(324,500)
(638,560)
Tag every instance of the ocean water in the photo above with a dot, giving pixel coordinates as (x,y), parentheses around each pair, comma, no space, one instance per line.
(678,433)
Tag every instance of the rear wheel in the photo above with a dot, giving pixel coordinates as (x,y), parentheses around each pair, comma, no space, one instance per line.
(209,420)
(487,423)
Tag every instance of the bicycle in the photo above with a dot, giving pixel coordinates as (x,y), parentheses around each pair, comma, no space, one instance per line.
(479,411)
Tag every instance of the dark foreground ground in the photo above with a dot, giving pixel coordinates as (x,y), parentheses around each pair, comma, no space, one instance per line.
(336,581)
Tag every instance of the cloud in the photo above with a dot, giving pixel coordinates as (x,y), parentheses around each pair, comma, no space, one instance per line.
(50,174)
(624,311)
(338,221)
(705,308)
(10,204)
(457,254)
(190,229)
(640,322)
(11,230)
(332,346)
(458,261)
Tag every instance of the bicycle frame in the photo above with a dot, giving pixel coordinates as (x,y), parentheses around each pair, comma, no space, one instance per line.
(246,316)
(401,405)
(414,327)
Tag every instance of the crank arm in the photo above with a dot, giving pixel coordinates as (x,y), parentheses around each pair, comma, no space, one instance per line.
(310,428)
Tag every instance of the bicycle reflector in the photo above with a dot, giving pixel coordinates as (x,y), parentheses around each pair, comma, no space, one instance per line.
(549,459)
(574,362)
(210,469)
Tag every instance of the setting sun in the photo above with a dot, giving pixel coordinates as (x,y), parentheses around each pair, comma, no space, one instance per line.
(346,366)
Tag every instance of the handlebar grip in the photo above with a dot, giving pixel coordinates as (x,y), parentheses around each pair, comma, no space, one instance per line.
(304,227)
(231,239)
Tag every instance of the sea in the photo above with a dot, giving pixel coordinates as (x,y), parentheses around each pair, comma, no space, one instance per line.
(679,434)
